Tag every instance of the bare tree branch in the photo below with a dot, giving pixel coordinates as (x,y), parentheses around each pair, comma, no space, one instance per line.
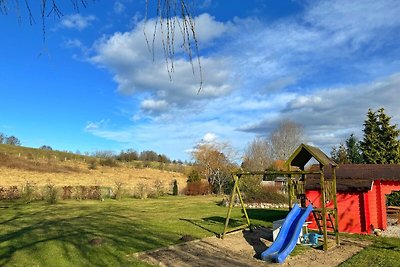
(170,14)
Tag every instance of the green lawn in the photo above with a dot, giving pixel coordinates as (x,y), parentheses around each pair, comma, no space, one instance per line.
(382,252)
(39,234)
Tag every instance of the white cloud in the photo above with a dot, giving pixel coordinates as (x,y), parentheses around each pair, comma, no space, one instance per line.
(154,106)
(209,138)
(330,115)
(127,56)
(77,21)
(323,68)
(92,126)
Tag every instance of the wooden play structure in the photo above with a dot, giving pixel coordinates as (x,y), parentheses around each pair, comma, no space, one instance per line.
(326,218)
(361,195)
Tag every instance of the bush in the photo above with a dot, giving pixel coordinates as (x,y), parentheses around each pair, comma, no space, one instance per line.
(175,190)
(198,188)
(266,194)
(10,193)
(52,194)
(67,192)
(28,192)
(141,191)
(118,190)
(393,199)
(109,162)
(159,188)
(92,164)
(193,176)
(88,192)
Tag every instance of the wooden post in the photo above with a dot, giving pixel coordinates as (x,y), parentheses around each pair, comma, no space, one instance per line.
(323,204)
(290,189)
(242,203)
(234,191)
(236,179)
(335,206)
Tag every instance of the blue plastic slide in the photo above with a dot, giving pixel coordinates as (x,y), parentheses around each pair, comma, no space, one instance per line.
(288,235)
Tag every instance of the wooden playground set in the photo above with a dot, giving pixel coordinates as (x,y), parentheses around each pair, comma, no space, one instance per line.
(313,197)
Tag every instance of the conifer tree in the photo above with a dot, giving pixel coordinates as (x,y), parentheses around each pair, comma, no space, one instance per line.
(389,138)
(380,144)
(339,155)
(353,150)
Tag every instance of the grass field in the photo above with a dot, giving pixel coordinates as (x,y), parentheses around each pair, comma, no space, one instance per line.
(21,165)
(383,252)
(39,234)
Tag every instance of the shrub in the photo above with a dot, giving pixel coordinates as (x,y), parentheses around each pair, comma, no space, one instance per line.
(52,194)
(138,164)
(67,192)
(10,193)
(393,199)
(175,190)
(266,194)
(193,176)
(197,188)
(118,190)
(28,192)
(109,162)
(88,192)
(141,191)
(92,164)
(13,192)
(159,188)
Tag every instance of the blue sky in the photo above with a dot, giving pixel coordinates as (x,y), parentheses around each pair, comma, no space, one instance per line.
(93,85)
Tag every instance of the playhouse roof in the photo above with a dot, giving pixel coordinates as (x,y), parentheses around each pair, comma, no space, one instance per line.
(304,153)
(357,177)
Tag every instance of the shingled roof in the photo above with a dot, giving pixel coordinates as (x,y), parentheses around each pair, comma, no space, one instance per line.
(356,177)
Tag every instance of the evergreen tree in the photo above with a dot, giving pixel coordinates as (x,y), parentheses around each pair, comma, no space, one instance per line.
(339,155)
(380,144)
(353,150)
(389,138)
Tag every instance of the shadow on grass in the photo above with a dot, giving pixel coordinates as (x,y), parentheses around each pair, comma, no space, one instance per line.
(213,224)
(31,234)
(267,215)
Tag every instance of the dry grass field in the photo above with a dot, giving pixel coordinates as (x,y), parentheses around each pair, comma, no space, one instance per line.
(19,171)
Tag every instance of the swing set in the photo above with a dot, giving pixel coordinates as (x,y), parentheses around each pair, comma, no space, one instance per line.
(296,176)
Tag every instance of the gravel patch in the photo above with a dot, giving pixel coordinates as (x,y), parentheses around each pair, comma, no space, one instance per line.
(393,229)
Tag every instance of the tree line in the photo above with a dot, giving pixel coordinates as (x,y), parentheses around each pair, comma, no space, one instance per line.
(380,143)
(214,161)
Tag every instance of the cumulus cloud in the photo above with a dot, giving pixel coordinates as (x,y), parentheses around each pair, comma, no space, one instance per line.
(77,21)
(322,68)
(127,56)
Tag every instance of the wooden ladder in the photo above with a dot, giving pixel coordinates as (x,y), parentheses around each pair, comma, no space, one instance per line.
(329,220)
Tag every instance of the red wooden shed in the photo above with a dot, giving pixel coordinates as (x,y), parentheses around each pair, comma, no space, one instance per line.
(361,195)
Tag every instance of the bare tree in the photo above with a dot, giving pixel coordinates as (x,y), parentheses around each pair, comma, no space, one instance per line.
(213,164)
(258,155)
(286,138)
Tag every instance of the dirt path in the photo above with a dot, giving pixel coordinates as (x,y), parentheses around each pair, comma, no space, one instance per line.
(242,249)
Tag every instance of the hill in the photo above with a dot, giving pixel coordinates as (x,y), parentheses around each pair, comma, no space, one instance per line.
(21,165)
